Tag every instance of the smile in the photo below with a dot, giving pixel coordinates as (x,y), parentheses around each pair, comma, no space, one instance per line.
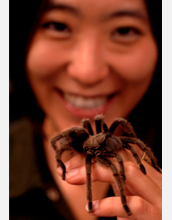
(83,106)
(85,102)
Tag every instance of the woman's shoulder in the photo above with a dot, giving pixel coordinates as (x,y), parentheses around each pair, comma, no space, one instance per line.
(24,170)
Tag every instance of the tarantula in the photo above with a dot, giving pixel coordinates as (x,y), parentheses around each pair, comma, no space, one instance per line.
(101,146)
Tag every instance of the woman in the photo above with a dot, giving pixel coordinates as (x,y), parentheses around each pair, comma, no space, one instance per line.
(79,63)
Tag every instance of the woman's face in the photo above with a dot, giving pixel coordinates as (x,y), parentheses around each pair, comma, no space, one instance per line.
(90,57)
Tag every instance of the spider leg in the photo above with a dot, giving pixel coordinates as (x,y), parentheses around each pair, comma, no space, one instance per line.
(99,120)
(135,155)
(143,147)
(119,181)
(54,140)
(88,181)
(59,161)
(61,164)
(120,161)
(59,153)
(105,128)
(87,125)
(128,128)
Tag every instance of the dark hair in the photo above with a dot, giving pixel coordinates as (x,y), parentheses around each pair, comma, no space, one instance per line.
(146,118)
(23,15)
(22,18)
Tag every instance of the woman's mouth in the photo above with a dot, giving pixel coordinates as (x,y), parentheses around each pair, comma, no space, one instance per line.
(85,102)
(82,106)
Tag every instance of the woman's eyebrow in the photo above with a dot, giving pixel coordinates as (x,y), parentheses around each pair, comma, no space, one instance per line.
(127,13)
(63,7)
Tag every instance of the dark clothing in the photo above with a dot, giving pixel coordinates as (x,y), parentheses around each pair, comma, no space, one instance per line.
(33,192)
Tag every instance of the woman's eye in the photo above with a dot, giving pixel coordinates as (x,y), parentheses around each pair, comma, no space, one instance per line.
(125,33)
(56,26)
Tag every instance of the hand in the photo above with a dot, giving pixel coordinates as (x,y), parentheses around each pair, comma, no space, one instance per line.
(144,192)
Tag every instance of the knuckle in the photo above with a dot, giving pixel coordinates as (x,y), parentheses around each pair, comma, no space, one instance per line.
(132,169)
(108,206)
(140,206)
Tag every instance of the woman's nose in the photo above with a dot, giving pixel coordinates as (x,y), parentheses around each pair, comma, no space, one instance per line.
(87,64)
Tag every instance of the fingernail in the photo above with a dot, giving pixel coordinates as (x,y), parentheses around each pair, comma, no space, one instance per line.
(95,206)
(72,173)
(67,164)
(59,170)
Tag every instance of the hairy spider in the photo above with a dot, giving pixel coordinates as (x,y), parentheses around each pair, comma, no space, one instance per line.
(101,146)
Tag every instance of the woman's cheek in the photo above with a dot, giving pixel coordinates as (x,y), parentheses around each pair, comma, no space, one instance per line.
(43,57)
(38,63)
(137,64)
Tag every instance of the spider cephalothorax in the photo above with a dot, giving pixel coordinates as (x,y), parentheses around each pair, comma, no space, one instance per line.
(101,146)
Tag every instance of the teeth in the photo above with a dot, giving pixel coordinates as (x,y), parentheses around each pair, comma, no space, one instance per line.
(86,103)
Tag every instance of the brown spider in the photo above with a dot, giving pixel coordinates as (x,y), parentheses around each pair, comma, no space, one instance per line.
(101,146)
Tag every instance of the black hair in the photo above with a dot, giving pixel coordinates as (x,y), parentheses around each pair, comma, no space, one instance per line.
(146,118)
(23,18)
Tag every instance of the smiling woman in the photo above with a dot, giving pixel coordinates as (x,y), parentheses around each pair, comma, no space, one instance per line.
(77,59)
(77,83)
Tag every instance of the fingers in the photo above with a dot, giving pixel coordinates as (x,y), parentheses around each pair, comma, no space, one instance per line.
(153,174)
(142,185)
(74,167)
(146,199)
(140,209)
(136,182)
(76,173)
